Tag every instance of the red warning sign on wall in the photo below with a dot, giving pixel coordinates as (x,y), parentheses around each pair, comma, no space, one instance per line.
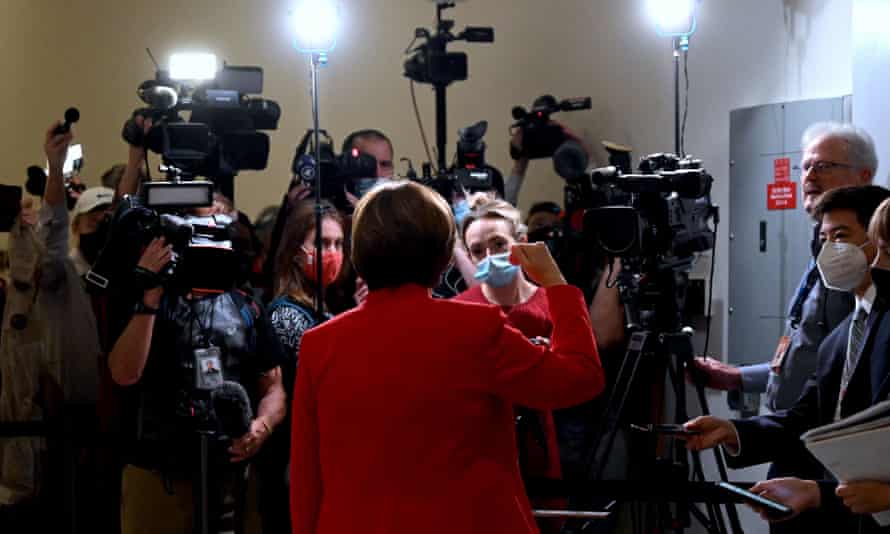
(782,170)
(781,196)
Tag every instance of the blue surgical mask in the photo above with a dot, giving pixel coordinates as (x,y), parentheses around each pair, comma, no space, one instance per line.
(461,210)
(363,185)
(496,270)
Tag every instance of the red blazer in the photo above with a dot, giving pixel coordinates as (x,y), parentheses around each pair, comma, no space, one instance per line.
(402,414)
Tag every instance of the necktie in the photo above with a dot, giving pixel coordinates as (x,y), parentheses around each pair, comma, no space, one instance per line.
(854,347)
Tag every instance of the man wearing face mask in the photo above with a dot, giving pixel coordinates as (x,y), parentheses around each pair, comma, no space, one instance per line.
(850,376)
(89,226)
(374,143)
(834,155)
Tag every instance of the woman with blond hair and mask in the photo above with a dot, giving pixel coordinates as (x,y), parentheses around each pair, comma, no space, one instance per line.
(488,232)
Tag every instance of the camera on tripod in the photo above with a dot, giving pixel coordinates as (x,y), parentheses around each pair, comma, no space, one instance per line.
(541,138)
(662,211)
(430,63)
(222,135)
(339,173)
(471,172)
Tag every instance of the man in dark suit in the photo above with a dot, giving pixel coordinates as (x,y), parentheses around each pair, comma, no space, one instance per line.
(853,370)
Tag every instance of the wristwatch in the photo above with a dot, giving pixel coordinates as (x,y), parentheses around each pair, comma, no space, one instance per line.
(142,309)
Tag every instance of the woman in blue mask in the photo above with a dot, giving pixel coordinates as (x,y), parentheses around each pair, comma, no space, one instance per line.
(488,232)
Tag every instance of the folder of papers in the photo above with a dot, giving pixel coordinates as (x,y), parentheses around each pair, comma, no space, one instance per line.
(856,448)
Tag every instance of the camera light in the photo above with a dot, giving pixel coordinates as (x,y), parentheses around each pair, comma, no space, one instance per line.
(315,24)
(193,66)
(673,17)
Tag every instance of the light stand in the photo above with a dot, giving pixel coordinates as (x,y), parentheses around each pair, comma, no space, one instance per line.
(315,25)
(316,60)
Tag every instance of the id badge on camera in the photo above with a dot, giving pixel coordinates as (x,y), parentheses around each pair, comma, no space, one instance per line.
(208,368)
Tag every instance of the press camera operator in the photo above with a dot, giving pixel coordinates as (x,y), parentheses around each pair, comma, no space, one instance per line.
(172,341)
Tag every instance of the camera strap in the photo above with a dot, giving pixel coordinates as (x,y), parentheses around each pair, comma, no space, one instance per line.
(205,329)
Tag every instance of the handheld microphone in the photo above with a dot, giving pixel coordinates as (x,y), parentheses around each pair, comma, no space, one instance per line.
(72,115)
(232,407)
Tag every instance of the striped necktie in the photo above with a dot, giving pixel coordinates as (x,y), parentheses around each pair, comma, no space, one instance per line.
(854,347)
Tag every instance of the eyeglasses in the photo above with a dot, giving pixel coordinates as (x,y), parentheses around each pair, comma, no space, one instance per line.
(823,166)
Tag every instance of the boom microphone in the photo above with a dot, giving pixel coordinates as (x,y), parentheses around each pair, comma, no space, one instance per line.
(72,115)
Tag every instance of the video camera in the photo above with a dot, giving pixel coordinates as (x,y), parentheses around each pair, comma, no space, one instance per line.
(656,222)
(203,254)
(222,135)
(430,63)
(541,138)
(471,173)
(339,173)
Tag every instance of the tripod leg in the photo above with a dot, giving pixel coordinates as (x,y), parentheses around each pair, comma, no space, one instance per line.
(731,512)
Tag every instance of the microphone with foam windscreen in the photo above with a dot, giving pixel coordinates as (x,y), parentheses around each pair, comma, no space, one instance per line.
(72,115)
(232,408)
(570,160)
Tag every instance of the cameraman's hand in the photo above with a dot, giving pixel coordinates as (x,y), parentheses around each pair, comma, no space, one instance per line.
(713,431)
(153,259)
(717,374)
(298,192)
(156,255)
(250,443)
(56,148)
(536,261)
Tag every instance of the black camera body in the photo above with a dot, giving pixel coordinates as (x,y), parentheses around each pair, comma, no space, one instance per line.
(203,255)
(223,134)
(662,211)
(541,138)
(430,62)
(471,173)
(339,172)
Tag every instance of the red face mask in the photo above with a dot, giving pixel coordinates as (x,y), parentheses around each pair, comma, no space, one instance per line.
(331,262)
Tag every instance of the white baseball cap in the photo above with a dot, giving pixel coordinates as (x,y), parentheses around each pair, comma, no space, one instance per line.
(92,198)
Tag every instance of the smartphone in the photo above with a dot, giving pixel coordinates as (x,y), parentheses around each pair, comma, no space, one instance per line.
(667,430)
(73,162)
(10,204)
(773,509)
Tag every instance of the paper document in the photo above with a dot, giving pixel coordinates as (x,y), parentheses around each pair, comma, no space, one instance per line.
(856,448)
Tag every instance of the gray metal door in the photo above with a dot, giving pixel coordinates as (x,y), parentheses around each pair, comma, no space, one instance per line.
(769,249)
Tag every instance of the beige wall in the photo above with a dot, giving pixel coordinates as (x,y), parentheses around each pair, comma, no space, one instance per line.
(90,53)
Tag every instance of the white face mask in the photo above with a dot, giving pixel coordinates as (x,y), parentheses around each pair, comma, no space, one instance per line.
(842,265)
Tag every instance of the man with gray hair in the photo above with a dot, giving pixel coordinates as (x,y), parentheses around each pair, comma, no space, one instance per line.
(834,155)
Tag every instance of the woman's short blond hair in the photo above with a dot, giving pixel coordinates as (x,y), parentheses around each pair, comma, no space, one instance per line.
(879,226)
(493,209)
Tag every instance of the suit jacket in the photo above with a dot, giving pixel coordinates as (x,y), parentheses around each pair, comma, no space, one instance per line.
(402,415)
(776,437)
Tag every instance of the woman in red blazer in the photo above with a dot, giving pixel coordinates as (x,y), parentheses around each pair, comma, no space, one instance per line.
(402,414)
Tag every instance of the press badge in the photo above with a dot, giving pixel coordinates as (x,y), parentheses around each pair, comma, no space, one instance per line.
(779,356)
(208,368)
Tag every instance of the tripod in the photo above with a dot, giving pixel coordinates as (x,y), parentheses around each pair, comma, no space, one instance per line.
(674,351)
